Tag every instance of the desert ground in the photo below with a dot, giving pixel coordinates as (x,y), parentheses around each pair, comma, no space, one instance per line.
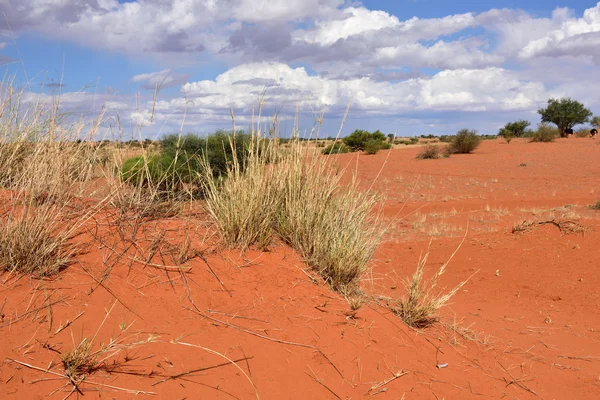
(258,324)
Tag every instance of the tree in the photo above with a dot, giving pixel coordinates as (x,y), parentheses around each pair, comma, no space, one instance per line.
(595,121)
(357,139)
(391,137)
(565,114)
(514,129)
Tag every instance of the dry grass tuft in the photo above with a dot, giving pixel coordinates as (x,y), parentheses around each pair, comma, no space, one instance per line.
(302,200)
(80,362)
(46,159)
(32,243)
(420,306)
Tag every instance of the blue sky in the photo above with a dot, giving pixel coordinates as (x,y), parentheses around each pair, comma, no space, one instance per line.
(405,66)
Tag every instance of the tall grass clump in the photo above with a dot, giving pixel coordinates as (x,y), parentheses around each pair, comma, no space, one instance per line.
(30,244)
(301,200)
(46,157)
(465,142)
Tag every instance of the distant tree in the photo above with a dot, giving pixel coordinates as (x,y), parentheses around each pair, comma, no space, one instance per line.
(565,114)
(378,135)
(391,137)
(595,121)
(514,129)
(358,139)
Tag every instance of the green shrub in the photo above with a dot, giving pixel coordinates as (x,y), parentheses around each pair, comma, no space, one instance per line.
(514,129)
(372,146)
(158,171)
(336,148)
(464,142)
(385,145)
(216,148)
(596,206)
(414,140)
(545,133)
(430,151)
(358,139)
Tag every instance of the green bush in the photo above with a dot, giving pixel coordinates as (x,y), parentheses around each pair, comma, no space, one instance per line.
(358,139)
(514,129)
(545,133)
(372,146)
(464,142)
(336,148)
(159,171)
(216,148)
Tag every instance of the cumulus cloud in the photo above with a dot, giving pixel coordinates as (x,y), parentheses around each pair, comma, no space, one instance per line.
(578,37)
(489,89)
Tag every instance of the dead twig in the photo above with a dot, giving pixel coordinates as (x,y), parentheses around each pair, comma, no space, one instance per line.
(381,384)
(193,371)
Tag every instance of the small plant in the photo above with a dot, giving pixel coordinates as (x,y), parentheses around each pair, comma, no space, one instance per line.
(522,165)
(544,134)
(430,151)
(79,363)
(596,206)
(465,142)
(419,308)
(336,148)
(413,140)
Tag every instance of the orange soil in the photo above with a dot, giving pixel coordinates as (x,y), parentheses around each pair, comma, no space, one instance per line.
(525,326)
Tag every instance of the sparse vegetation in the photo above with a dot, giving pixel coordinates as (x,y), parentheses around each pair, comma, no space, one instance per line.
(596,206)
(582,133)
(544,133)
(430,151)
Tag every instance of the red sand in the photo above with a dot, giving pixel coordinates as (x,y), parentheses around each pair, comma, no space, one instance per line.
(529,317)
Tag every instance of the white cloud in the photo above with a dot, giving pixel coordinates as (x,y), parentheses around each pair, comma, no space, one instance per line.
(353,21)
(579,37)
(489,89)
